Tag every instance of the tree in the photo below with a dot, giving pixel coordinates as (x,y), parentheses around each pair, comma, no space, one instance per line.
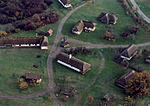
(23,85)
(91,99)
(139,85)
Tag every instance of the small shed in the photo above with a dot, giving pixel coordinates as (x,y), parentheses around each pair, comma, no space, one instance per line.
(31,77)
(49,32)
(64,43)
(123,80)
(89,26)
(107,18)
(78,28)
(129,52)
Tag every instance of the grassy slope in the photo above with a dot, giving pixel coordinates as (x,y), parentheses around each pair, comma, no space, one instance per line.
(91,12)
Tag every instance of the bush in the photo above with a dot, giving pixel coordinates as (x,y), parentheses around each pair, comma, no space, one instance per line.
(48,2)
(23,85)
(30,26)
(10,28)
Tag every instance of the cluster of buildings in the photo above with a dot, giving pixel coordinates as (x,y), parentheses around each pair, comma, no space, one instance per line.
(87,26)
(127,54)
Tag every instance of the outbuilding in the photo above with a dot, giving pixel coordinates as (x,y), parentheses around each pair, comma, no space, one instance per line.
(107,18)
(129,52)
(73,63)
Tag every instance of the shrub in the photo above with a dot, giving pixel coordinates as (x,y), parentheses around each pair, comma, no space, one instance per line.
(10,28)
(139,85)
(30,26)
(23,85)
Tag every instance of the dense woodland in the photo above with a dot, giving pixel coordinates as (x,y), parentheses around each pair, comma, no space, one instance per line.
(26,14)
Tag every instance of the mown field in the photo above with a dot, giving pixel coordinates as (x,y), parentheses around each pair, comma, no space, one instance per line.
(144,6)
(40,101)
(91,12)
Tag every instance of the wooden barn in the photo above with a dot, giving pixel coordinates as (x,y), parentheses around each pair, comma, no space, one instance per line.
(89,26)
(129,52)
(78,28)
(41,42)
(123,80)
(31,77)
(82,25)
(107,18)
(73,63)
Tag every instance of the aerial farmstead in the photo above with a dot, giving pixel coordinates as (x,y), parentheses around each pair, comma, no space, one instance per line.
(75,52)
(73,63)
(41,42)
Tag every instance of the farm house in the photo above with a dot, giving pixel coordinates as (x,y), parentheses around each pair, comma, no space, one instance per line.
(41,42)
(73,63)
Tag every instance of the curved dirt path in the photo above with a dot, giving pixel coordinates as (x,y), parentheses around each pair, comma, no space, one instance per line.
(135,5)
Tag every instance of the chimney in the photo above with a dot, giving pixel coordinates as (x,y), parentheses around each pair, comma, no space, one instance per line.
(70,56)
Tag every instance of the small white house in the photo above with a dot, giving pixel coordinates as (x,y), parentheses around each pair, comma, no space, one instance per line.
(65,3)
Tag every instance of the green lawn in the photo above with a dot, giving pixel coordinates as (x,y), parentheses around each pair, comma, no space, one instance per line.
(92,11)
(144,6)
(40,101)
(15,63)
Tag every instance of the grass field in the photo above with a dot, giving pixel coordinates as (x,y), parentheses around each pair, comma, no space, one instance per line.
(92,11)
(144,6)
(40,101)
(15,63)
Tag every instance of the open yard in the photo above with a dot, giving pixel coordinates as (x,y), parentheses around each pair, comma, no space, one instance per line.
(15,63)
(91,12)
